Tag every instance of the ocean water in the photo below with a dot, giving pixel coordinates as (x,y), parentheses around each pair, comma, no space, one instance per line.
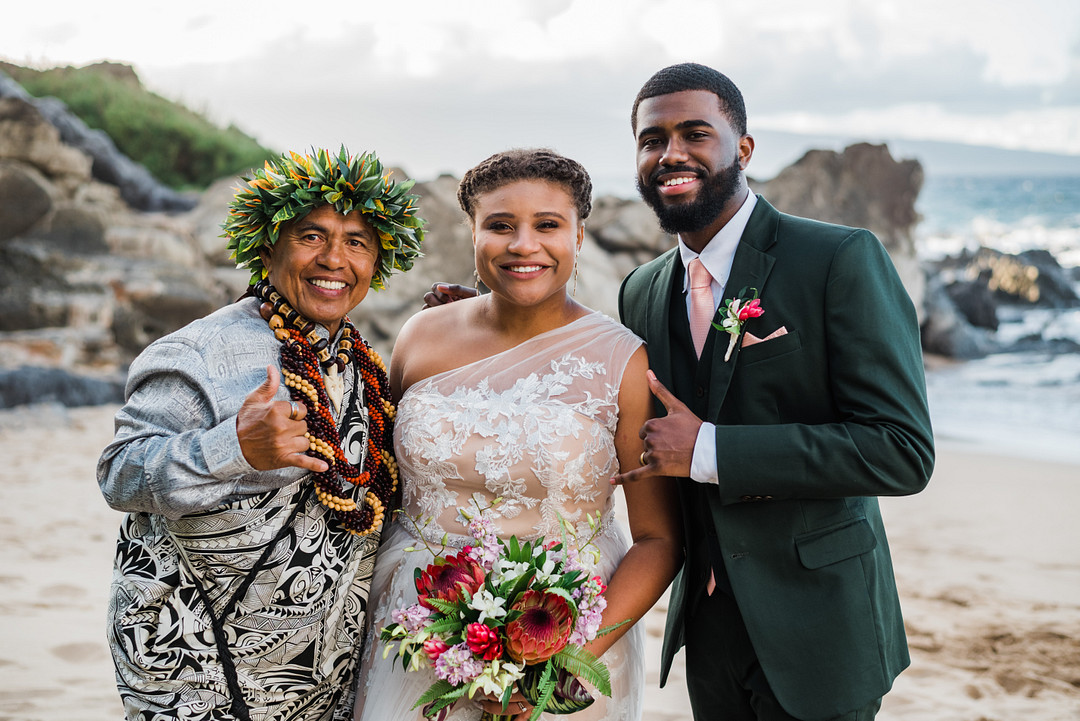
(1010,214)
(1025,404)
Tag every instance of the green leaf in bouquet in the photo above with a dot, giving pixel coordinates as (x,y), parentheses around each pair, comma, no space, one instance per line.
(562,593)
(510,590)
(392,632)
(445,625)
(537,686)
(443,606)
(439,695)
(580,663)
(570,579)
(569,694)
(608,629)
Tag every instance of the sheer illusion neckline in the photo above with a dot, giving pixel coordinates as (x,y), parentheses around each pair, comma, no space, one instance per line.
(528,341)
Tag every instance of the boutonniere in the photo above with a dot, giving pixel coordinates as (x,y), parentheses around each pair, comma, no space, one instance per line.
(736,312)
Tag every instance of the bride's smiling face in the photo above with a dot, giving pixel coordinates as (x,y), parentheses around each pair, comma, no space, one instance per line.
(526,236)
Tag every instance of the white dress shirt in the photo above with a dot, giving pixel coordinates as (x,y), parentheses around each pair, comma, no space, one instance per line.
(717,257)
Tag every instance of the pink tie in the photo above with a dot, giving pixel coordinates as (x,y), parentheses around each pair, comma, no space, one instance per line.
(702,309)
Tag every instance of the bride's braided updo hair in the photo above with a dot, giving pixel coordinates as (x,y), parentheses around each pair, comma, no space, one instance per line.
(527,164)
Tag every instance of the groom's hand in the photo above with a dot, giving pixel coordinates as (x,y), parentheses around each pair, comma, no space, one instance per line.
(668,441)
(443,293)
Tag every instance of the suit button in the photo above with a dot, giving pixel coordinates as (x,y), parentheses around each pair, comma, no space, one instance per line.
(699,391)
(746,498)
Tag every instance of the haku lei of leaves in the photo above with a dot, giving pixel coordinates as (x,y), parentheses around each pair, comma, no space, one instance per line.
(293,185)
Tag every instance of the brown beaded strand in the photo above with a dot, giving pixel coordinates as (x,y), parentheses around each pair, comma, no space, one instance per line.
(302,355)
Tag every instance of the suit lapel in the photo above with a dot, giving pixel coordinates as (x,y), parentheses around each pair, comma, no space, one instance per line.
(658,333)
(749,269)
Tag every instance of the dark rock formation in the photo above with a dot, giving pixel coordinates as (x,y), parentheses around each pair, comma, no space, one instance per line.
(23,386)
(628,228)
(945,330)
(26,199)
(138,187)
(83,277)
(862,187)
(975,303)
(1031,278)
(28,140)
(34,287)
(971,289)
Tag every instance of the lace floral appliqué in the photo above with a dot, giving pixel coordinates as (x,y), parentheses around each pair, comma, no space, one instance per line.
(539,444)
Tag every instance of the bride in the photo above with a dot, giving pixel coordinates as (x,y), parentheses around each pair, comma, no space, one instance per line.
(527,395)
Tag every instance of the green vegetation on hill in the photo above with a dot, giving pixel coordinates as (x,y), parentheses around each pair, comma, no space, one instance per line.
(180,147)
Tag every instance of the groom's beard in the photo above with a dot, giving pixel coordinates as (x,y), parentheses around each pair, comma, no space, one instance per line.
(696,215)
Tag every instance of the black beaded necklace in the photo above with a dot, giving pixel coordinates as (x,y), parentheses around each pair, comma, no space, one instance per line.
(303,354)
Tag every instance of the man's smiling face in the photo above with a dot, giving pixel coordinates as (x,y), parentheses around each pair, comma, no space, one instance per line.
(689,161)
(323,263)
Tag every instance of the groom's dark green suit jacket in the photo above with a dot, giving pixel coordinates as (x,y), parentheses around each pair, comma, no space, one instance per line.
(811,427)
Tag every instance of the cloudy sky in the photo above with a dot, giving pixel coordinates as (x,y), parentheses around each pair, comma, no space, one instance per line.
(437,85)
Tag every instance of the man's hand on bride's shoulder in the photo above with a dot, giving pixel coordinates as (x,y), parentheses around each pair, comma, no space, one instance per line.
(443,293)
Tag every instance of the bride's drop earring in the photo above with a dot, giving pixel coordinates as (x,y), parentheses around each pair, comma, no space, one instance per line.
(573,293)
(476,281)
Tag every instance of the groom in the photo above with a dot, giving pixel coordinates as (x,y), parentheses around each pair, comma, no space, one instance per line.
(786,604)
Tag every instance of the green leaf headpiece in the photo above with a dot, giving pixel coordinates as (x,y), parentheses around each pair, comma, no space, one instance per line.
(293,185)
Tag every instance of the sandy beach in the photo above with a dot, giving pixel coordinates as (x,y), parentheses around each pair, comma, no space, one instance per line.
(987,559)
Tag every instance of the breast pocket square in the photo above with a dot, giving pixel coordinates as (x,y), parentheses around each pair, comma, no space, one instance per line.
(750,339)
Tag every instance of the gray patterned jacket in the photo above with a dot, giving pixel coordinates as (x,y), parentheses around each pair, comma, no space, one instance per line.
(199,513)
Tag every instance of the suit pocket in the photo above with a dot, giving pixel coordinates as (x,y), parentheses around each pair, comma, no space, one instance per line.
(831,545)
(767,349)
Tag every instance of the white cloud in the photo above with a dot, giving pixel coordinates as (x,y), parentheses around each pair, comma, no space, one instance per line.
(1052,130)
(439,84)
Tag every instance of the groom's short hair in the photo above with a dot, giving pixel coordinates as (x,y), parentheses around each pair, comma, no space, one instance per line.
(692,76)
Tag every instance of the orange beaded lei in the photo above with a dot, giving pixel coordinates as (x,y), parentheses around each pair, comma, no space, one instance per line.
(302,354)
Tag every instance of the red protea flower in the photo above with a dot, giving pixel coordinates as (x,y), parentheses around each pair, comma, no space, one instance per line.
(541,630)
(448,578)
(483,641)
(434,647)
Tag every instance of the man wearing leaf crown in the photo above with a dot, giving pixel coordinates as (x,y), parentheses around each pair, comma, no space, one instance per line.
(254,460)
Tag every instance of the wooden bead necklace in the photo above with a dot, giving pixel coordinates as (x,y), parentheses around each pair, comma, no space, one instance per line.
(303,355)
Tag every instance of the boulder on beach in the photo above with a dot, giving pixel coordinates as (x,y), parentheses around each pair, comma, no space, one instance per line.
(863,187)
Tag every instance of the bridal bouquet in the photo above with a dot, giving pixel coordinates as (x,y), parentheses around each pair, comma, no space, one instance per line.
(503,614)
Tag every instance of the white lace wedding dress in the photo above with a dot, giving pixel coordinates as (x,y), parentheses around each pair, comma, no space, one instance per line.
(535,425)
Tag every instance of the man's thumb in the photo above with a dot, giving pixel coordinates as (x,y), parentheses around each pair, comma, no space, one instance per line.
(266,390)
